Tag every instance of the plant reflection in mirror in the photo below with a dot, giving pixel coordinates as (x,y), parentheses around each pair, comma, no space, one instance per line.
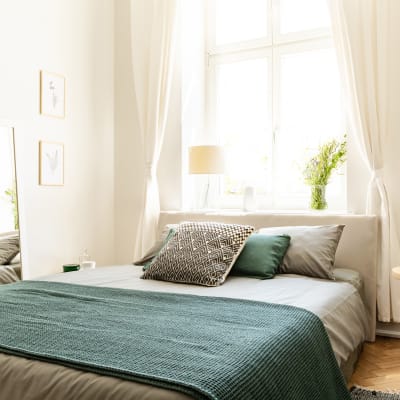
(12,194)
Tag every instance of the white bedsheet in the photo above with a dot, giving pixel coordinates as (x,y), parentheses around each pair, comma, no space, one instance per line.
(338,304)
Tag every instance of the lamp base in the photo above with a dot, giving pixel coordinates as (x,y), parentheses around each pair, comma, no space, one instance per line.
(206,193)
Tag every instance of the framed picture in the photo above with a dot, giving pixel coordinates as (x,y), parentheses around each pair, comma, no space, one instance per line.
(51,164)
(52,94)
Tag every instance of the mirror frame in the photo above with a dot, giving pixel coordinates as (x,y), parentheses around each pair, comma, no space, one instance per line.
(18,186)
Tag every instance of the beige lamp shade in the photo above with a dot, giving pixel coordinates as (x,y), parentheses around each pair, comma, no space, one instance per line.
(206,160)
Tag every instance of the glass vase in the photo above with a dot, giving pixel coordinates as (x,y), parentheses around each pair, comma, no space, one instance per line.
(318,200)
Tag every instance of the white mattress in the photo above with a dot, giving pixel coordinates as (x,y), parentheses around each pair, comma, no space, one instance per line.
(338,304)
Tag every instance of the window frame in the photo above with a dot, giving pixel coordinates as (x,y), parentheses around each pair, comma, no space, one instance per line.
(273,47)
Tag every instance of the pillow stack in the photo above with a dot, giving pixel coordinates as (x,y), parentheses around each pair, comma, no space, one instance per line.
(204,253)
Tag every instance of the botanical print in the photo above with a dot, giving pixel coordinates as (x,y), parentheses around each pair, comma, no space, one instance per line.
(51,163)
(52,94)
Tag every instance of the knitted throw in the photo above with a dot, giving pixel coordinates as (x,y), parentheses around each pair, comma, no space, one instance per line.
(207,347)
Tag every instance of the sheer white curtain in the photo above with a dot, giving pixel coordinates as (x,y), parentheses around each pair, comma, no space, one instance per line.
(362,31)
(153,28)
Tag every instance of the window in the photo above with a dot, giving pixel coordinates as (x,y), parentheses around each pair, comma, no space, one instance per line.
(273,96)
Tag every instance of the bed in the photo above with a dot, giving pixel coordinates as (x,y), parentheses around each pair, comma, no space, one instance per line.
(348,312)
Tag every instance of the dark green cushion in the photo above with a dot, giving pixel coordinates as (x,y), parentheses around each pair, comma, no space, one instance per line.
(261,256)
(171,233)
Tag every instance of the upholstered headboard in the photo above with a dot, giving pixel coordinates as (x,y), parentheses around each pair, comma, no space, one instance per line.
(357,248)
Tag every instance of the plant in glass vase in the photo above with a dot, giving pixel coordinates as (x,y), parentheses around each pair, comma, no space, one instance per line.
(319,168)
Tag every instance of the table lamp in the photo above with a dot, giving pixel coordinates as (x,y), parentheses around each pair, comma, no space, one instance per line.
(206,160)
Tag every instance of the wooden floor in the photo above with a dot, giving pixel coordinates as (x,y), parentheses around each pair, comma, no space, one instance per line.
(379,365)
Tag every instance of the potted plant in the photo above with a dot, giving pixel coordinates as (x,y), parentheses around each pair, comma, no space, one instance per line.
(319,168)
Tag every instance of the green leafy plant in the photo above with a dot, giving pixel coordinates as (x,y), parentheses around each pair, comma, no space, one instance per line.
(319,168)
(12,194)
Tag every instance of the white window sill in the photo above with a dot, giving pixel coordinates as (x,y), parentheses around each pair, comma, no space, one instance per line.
(257,212)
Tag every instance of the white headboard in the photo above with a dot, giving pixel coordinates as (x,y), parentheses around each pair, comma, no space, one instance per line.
(357,247)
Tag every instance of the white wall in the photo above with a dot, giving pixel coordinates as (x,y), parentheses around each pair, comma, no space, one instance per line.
(73,38)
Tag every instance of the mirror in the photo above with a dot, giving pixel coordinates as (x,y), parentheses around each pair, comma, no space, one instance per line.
(10,258)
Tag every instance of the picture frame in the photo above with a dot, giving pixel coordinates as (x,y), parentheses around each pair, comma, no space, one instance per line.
(51,163)
(52,94)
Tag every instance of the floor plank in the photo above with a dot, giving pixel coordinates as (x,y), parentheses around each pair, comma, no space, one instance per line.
(379,365)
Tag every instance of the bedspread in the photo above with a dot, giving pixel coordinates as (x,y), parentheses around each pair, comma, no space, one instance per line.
(207,347)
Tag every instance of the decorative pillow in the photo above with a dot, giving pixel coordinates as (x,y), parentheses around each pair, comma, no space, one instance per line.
(170,235)
(7,275)
(261,256)
(158,245)
(201,253)
(9,248)
(312,249)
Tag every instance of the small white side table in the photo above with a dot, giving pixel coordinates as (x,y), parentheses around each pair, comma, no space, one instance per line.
(396,272)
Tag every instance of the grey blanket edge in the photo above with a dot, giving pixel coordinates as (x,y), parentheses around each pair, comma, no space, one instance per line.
(95,370)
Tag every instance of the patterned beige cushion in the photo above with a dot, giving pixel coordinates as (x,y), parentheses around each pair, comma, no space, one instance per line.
(201,253)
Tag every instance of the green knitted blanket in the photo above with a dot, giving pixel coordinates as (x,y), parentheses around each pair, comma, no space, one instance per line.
(207,347)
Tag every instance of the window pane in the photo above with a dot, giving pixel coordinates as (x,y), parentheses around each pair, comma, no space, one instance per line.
(240,20)
(243,122)
(303,15)
(310,115)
